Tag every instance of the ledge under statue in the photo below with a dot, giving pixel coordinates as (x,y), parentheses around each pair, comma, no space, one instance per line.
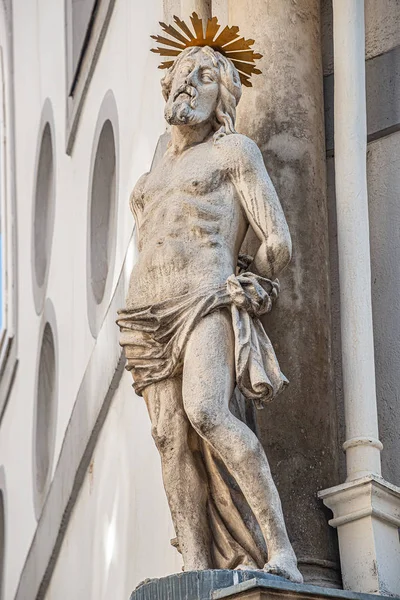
(191,330)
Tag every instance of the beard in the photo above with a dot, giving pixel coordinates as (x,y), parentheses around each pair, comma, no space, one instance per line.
(178,113)
(180,108)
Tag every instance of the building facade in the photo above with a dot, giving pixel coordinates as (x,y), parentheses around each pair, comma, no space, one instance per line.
(82,507)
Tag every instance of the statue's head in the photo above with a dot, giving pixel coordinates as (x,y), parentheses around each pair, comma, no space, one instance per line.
(202,85)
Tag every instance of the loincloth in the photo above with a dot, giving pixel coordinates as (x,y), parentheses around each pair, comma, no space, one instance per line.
(155,337)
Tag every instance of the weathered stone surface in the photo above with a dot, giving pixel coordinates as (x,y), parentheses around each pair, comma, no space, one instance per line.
(284,115)
(254,585)
(196,585)
(191,330)
(259,589)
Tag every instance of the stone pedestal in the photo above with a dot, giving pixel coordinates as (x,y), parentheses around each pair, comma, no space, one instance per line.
(246,585)
(198,585)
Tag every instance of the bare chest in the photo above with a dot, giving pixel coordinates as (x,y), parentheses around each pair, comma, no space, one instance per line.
(192,175)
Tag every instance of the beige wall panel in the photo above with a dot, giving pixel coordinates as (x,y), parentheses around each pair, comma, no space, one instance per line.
(382,29)
(384,213)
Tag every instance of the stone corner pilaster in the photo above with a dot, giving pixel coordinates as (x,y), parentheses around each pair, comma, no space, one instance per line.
(366,513)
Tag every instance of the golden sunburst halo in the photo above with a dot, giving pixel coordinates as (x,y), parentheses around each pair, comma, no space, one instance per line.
(227,42)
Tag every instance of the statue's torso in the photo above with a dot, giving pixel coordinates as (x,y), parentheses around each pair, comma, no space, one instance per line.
(190,226)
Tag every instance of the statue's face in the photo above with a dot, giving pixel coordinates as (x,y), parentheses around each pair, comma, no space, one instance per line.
(194,93)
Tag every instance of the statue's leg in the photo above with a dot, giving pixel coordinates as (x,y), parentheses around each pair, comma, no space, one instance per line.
(208,383)
(185,487)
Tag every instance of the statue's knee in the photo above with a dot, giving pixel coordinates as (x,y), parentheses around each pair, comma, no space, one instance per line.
(204,420)
(163,438)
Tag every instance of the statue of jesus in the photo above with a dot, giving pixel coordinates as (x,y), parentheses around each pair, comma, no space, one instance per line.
(191,329)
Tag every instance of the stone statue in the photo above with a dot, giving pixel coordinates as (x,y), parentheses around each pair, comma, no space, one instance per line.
(191,330)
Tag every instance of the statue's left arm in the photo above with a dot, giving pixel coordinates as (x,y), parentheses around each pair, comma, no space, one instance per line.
(261,205)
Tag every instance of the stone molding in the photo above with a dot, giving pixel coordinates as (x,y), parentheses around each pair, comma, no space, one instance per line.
(374,496)
(363,441)
(367,509)
(8,369)
(46,120)
(48,317)
(81,81)
(8,339)
(95,311)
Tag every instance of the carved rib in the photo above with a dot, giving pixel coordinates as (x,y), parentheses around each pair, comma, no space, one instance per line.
(166,51)
(227,35)
(172,31)
(246,55)
(197,26)
(240,44)
(166,64)
(184,28)
(162,40)
(246,68)
(245,80)
(212,29)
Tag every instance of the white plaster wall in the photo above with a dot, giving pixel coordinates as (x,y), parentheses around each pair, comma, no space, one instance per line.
(128,68)
(120,528)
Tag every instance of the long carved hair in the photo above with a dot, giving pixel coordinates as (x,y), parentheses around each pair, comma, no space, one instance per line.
(230,88)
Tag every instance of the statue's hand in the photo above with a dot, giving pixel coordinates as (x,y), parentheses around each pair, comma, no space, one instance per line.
(253,293)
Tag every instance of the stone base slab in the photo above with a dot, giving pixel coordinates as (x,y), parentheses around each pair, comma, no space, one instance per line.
(259,589)
(197,585)
(246,585)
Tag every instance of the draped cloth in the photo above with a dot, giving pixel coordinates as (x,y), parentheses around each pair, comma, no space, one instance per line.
(154,339)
